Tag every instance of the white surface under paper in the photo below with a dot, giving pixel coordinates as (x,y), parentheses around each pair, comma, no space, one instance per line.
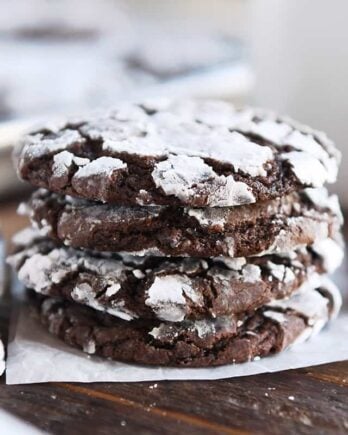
(36,356)
(13,425)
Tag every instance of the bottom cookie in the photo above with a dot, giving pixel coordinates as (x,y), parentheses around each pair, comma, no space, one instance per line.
(200,343)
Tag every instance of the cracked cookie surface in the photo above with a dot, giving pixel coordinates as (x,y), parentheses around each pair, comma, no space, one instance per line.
(200,343)
(170,289)
(192,153)
(279,225)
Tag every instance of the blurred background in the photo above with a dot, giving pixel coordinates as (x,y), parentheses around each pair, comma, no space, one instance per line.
(66,56)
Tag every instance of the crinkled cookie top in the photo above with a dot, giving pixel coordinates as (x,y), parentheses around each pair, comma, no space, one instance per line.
(196,153)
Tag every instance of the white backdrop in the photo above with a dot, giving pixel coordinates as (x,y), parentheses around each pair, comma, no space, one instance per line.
(300,53)
(299,50)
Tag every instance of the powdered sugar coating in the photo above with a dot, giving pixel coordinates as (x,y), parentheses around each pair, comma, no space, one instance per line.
(269,130)
(307,302)
(251,273)
(209,216)
(171,290)
(37,271)
(316,307)
(278,225)
(167,297)
(198,153)
(84,294)
(308,169)
(285,240)
(102,165)
(203,328)
(331,253)
(334,292)
(275,315)
(39,145)
(62,163)
(173,130)
(281,272)
(27,236)
(184,176)
(322,199)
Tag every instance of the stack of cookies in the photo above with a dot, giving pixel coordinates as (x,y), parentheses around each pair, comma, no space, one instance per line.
(180,233)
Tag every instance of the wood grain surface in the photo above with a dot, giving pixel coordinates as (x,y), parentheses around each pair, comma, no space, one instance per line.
(304,401)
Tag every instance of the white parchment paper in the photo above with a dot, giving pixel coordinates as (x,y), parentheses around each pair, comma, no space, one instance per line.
(36,356)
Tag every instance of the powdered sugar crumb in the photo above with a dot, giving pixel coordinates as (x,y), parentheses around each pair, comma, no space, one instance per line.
(102,165)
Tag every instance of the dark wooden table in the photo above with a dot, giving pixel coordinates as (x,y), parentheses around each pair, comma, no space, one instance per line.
(305,401)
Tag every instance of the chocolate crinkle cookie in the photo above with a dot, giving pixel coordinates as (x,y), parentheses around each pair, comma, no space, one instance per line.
(170,289)
(278,225)
(190,153)
(180,233)
(207,342)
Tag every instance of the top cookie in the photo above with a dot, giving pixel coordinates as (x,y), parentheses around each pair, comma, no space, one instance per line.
(193,153)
